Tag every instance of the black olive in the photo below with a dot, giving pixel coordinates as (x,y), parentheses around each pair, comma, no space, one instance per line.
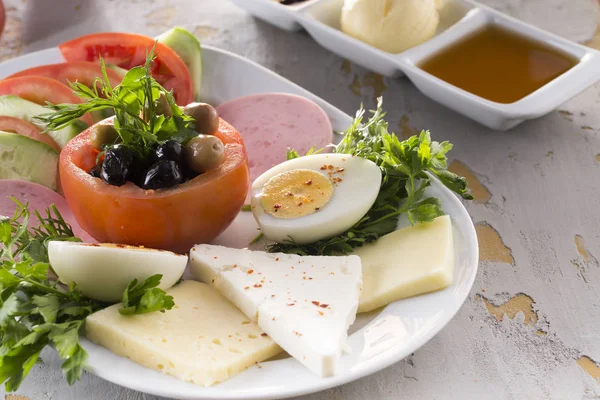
(140,168)
(116,168)
(169,150)
(163,174)
(187,172)
(95,171)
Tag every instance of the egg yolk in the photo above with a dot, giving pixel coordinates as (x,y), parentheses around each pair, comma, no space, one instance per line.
(297,193)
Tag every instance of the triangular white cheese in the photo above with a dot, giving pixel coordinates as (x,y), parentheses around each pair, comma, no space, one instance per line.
(305,304)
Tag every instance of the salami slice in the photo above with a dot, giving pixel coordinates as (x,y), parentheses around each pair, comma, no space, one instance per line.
(39,198)
(270,123)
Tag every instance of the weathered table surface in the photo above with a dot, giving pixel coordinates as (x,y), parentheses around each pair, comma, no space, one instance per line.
(531,326)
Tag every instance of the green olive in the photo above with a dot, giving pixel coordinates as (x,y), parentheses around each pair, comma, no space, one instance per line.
(161,107)
(207,118)
(204,153)
(103,133)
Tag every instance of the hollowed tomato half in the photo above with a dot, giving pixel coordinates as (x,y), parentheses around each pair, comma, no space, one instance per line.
(175,219)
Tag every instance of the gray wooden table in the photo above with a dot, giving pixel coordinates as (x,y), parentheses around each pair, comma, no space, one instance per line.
(531,327)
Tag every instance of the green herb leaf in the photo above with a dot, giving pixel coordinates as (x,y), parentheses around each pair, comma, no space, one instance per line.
(47,306)
(5,230)
(9,309)
(65,338)
(72,367)
(145,297)
(291,154)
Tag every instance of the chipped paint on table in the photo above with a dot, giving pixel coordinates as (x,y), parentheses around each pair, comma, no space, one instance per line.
(531,326)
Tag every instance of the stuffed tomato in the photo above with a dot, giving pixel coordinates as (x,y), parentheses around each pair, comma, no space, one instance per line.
(176,218)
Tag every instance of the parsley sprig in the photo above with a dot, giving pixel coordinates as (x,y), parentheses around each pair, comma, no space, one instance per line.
(407,169)
(134,102)
(145,297)
(36,310)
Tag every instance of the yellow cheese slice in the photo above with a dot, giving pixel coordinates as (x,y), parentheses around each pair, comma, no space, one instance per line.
(408,262)
(204,339)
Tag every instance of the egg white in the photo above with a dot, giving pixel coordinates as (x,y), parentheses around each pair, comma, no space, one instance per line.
(102,272)
(351,199)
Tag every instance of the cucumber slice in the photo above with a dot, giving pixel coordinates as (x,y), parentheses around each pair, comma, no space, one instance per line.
(185,44)
(27,159)
(14,106)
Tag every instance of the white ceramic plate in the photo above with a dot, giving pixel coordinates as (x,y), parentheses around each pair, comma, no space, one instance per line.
(321,19)
(378,339)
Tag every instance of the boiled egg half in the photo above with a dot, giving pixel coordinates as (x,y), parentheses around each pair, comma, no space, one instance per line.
(314,197)
(103,271)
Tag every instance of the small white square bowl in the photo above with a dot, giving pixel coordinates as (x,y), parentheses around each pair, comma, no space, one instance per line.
(321,19)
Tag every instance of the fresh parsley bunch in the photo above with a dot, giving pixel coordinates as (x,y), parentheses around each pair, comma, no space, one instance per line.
(134,102)
(407,168)
(36,310)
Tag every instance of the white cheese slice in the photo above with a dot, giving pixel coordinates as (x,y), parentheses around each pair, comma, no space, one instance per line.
(408,262)
(204,339)
(305,304)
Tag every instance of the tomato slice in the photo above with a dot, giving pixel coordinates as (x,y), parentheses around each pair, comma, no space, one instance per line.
(16,125)
(40,90)
(173,219)
(83,71)
(128,50)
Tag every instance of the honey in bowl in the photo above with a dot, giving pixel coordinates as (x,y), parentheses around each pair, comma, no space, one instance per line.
(498,65)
